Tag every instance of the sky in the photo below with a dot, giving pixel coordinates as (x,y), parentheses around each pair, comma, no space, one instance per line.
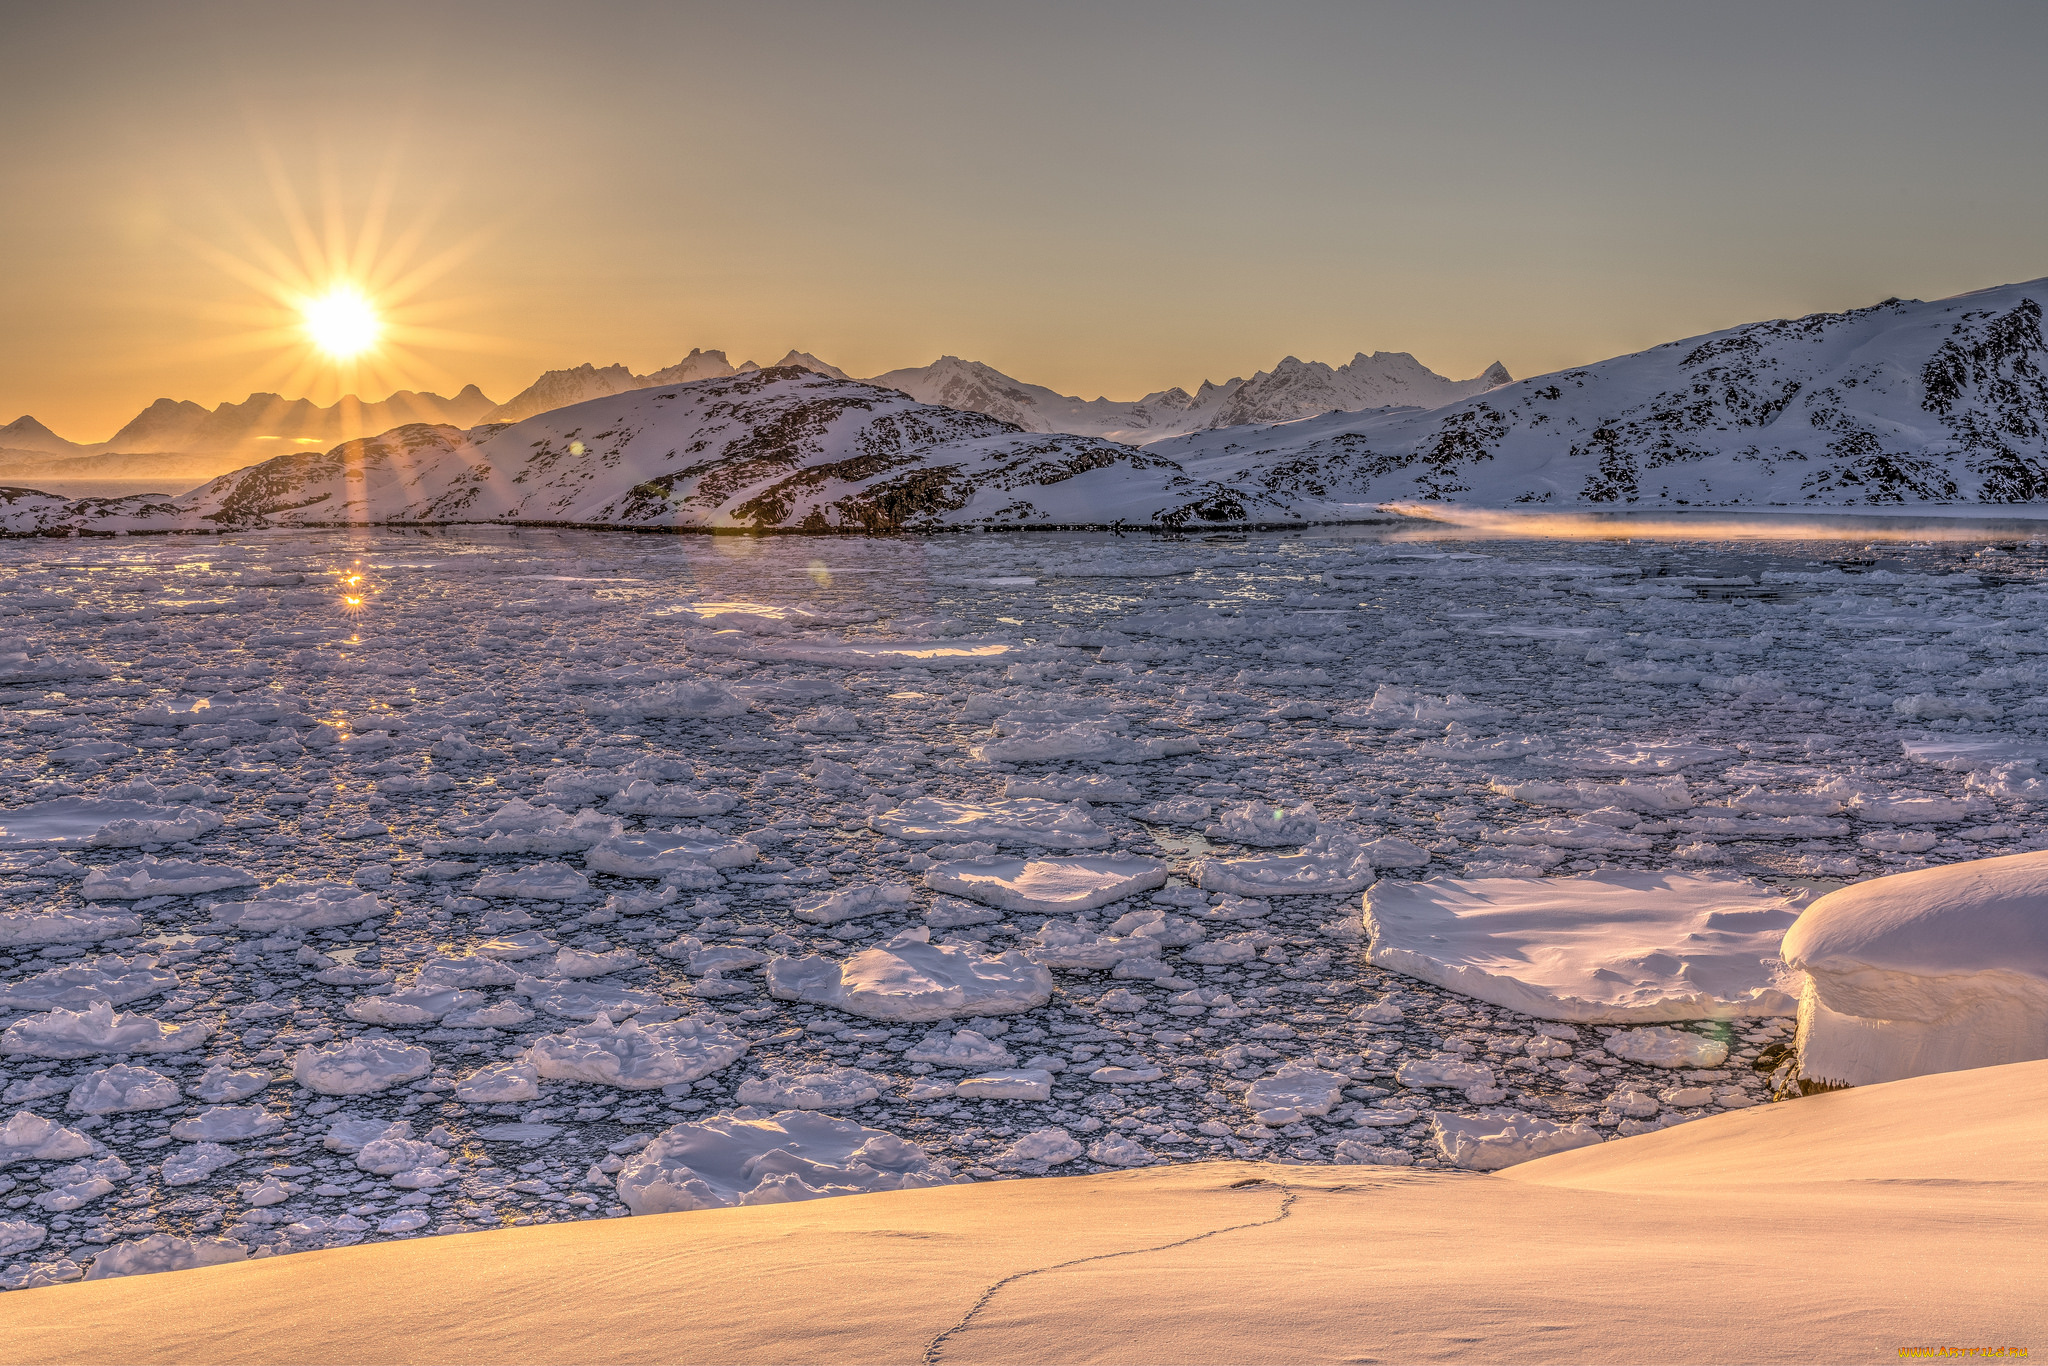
(1106,198)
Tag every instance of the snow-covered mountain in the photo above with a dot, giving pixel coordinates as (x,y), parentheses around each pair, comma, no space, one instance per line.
(782,448)
(27,434)
(258,426)
(1290,390)
(1901,402)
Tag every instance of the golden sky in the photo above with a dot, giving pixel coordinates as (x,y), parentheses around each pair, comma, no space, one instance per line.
(1103,198)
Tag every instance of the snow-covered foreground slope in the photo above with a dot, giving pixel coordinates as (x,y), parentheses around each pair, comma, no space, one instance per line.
(783,448)
(1671,1247)
(1900,403)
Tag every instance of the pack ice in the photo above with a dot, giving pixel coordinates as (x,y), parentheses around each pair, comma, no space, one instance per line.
(772,1159)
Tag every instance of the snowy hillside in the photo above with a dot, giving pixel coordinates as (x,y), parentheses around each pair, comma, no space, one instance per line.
(1290,390)
(1901,402)
(779,448)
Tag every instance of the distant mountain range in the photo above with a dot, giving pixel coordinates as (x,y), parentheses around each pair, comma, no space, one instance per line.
(265,424)
(1902,404)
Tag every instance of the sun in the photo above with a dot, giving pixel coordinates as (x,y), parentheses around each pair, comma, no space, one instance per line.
(342,322)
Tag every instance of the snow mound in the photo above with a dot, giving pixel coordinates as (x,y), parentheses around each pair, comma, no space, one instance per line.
(910,978)
(1616,948)
(1488,1144)
(794,1155)
(635,1056)
(1331,863)
(147,876)
(97,1029)
(837,1088)
(358,1066)
(1048,886)
(1938,970)
(1022,820)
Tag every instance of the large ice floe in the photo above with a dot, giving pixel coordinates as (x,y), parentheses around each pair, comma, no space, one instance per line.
(1932,971)
(1613,948)
(524,858)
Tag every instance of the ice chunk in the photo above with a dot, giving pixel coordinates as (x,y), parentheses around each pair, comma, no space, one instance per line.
(1048,886)
(97,1029)
(121,1088)
(1026,1083)
(1488,1144)
(909,978)
(22,928)
(1663,756)
(852,903)
(463,971)
(637,1057)
(1362,1152)
(31,1138)
(575,963)
(301,906)
(76,986)
(1648,795)
(1117,1150)
(498,1083)
(220,1083)
(1098,740)
(389,1154)
(653,853)
(1395,852)
(1021,820)
(163,1252)
(415,1007)
(643,798)
(585,1000)
(535,882)
(1333,862)
(228,1124)
(1659,1046)
(81,821)
(147,876)
(519,827)
(358,1067)
(190,1166)
(1938,970)
(1452,1073)
(1266,826)
(684,699)
(1614,948)
(1176,811)
(793,1155)
(964,1048)
(1293,1091)
(1073,787)
(19,1235)
(1050,1146)
(836,1088)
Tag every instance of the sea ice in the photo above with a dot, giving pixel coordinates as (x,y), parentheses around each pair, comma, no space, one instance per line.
(1051,885)
(190,1166)
(1613,948)
(1020,820)
(122,1088)
(31,1138)
(1937,970)
(1013,1083)
(498,1083)
(851,903)
(1658,1046)
(1285,1096)
(228,1124)
(163,1252)
(147,876)
(837,1088)
(1331,863)
(793,1155)
(1266,827)
(963,1048)
(1050,1146)
(79,821)
(220,1083)
(98,1029)
(301,906)
(76,986)
(1488,1144)
(358,1067)
(656,853)
(22,928)
(908,978)
(635,1056)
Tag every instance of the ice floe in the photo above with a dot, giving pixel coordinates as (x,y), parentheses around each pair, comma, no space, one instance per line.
(1612,948)
(793,1155)
(98,1029)
(908,978)
(838,1088)
(1051,885)
(359,1066)
(1022,820)
(1489,1143)
(636,1056)
(1331,863)
(148,876)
